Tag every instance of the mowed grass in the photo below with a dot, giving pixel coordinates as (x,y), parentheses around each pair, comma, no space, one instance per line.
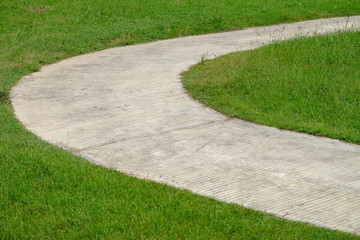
(48,193)
(308,85)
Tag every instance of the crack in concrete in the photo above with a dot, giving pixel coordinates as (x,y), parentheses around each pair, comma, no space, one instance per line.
(146,136)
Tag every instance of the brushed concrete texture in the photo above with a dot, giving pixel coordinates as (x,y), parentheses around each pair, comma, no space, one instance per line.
(125,108)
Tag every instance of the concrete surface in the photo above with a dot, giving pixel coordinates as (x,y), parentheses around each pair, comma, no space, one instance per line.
(125,108)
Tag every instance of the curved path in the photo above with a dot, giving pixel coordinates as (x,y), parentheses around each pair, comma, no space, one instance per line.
(125,108)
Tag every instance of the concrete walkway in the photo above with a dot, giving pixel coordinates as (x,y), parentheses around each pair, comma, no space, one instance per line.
(125,108)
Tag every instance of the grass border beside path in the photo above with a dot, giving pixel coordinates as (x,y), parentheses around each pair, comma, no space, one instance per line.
(48,193)
(307,85)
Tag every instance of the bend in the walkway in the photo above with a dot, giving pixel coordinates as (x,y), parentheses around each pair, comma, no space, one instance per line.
(125,108)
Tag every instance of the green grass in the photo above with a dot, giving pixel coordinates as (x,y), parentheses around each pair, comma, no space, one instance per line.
(309,85)
(47,193)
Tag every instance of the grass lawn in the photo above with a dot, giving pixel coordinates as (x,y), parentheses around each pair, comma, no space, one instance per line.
(47,193)
(309,85)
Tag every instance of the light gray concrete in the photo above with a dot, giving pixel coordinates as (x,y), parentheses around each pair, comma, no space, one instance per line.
(125,108)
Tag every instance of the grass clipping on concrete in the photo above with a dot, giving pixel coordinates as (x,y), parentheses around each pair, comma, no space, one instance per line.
(308,85)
